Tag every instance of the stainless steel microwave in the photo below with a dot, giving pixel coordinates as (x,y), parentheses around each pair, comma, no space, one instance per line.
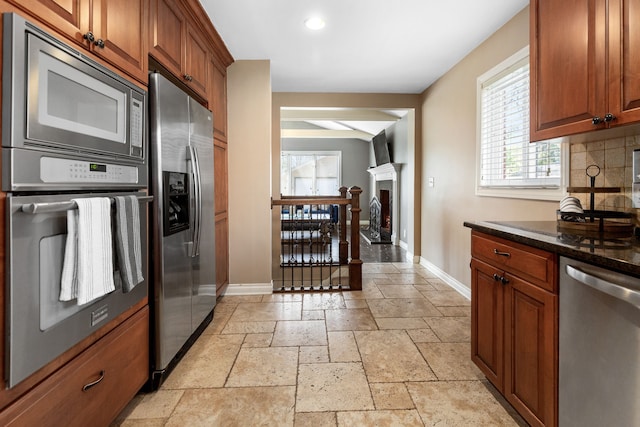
(57,99)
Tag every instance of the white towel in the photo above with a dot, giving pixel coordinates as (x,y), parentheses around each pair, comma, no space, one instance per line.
(128,249)
(69,281)
(91,264)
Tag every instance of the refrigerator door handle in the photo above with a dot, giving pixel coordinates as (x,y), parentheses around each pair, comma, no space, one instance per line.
(198,204)
(197,200)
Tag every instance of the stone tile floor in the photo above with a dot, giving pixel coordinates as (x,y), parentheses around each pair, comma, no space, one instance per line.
(396,353)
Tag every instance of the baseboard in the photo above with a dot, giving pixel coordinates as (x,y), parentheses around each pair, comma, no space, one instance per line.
(449,280)
(235,289)
(409,256)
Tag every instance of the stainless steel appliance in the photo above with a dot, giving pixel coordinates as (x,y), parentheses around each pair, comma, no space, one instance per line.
(599,346)
(183,236)
(58,99)
(71,129)
(635,194)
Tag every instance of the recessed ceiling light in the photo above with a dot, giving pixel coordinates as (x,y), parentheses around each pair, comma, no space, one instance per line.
(314,23)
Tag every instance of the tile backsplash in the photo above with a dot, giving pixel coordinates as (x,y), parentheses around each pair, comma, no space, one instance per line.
(613,157)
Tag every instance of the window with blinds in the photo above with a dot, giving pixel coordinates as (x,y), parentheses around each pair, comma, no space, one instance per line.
(507,160)
(307,173)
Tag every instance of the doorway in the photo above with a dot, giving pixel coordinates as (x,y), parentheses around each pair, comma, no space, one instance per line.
(300,126)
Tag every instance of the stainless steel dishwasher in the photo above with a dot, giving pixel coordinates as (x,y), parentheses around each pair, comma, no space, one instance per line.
(599,362)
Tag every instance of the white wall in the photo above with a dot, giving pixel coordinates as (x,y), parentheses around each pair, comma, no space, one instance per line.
(449,156)
(249,127)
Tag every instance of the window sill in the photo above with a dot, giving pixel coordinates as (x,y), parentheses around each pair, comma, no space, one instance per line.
(522,193)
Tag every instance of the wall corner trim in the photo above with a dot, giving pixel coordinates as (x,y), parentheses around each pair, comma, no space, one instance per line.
(449,280)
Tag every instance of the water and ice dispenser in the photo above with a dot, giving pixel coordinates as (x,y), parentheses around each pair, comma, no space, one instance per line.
(176,202)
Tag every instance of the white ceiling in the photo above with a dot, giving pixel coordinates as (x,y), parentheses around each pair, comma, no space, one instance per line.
(367,46)
(358,123)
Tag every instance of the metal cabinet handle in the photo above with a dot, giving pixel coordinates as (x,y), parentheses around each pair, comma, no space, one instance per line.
(86,387)
(89,36)
(99,43)
(497,252)
(500,279)
(607,118)
(188,77)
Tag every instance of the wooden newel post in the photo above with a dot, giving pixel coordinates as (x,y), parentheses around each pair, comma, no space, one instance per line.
(355,264)
(343,248)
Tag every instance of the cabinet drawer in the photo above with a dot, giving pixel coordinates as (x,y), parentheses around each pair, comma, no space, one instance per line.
(532,264)
(117,366)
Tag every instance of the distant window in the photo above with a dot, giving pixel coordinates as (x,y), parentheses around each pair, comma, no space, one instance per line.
(508,164)
(306,173)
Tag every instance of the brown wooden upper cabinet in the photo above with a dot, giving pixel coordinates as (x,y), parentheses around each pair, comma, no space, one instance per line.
(218,98)
(583,74)
(114,30)
(177,44)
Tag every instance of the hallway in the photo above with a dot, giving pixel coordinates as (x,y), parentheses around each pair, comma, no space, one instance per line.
(396,353)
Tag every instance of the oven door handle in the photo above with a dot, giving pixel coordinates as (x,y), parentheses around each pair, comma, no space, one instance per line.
(606,286)
(36,208)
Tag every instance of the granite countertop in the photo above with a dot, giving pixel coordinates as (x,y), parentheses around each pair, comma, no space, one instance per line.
(620,254)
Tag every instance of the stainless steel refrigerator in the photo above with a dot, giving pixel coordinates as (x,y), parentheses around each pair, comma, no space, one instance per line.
(183,293)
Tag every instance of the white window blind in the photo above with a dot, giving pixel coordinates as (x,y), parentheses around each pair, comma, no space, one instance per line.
(506,157)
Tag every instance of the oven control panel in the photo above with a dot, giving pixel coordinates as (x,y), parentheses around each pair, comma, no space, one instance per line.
(57,170)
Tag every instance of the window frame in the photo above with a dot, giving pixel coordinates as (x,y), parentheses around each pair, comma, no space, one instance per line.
(314,153)
(513,191)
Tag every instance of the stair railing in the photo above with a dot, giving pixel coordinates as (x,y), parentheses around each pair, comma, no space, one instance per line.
(307,230)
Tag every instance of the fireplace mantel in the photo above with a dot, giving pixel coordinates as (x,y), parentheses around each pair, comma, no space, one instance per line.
(386,172)
(389,172)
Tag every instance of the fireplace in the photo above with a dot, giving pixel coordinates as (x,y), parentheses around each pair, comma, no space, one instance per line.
(380,216)
(379,229)
(384,214)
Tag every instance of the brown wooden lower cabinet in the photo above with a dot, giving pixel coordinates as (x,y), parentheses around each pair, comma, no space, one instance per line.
(222,254)
(93,388)
(514,329)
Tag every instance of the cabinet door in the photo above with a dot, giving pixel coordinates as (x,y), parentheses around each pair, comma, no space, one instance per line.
(93,388)
(70,17)
(568,60)
(222,222)
(196,62)
(487,321)
(624,67)
(530,379)
(218,98)
(122,26)
(167,30)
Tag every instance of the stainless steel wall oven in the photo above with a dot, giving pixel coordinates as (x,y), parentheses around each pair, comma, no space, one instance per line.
(71,129)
